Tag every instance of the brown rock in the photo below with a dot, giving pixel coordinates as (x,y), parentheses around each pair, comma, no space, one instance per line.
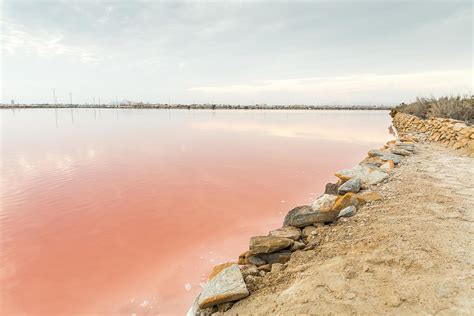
(265,267)
(344,201)
(268,244)
(290,232)
(297,246)
(255,260)
(276,257)
(331,188)
(368,196)
(309,230)
(243,257)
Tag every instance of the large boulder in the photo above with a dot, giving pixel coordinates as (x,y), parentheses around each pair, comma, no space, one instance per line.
(290,232)
(302,216)
(352,185)
(227,286)
(268,244)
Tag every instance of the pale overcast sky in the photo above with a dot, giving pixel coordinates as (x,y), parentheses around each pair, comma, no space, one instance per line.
(309,52)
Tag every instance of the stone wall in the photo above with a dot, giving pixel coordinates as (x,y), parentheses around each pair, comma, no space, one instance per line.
(449,132)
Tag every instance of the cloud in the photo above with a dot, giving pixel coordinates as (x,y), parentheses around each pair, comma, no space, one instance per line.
(16,39)
(423,81)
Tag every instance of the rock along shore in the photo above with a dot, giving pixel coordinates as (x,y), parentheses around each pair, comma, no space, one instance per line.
(302,226)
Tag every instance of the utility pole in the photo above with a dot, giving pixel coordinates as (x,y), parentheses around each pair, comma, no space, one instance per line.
(99,101)
(54,95)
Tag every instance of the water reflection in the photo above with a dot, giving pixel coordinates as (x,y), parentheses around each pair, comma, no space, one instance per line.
(126,210)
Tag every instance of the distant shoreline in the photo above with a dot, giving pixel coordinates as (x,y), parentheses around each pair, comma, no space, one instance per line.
(196,107)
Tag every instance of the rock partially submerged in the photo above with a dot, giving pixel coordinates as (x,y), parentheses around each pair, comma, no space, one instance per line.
(227,286)
(268,244)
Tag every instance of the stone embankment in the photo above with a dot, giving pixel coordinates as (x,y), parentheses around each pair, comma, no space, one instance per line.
(449,132)
(230,282)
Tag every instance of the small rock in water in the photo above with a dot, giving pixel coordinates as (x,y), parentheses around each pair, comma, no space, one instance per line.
(352,185)
(348,211)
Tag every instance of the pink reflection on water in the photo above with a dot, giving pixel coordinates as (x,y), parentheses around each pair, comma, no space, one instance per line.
(126,212)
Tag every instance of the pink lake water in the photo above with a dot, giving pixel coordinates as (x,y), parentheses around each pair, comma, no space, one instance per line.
(126,211)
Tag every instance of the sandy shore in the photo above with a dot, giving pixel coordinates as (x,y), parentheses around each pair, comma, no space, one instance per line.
(410,253)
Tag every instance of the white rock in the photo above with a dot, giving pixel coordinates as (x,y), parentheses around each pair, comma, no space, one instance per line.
(324,202)
(227,286)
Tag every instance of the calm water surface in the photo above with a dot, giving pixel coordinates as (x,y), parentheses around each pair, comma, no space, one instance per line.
(125,211)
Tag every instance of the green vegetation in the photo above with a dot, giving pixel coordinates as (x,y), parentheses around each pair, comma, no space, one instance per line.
(458,108)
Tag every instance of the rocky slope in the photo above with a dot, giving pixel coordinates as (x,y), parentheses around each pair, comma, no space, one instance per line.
(409,253)
(394,235)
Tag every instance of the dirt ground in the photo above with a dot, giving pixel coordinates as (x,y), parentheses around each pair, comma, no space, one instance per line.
(411,253)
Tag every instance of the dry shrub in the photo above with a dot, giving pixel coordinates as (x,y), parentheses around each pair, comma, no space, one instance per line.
(458,108)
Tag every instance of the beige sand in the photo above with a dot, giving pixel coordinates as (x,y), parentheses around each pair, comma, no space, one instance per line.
(411,253)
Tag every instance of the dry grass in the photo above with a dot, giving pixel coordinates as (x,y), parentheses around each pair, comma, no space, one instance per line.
(458,108)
